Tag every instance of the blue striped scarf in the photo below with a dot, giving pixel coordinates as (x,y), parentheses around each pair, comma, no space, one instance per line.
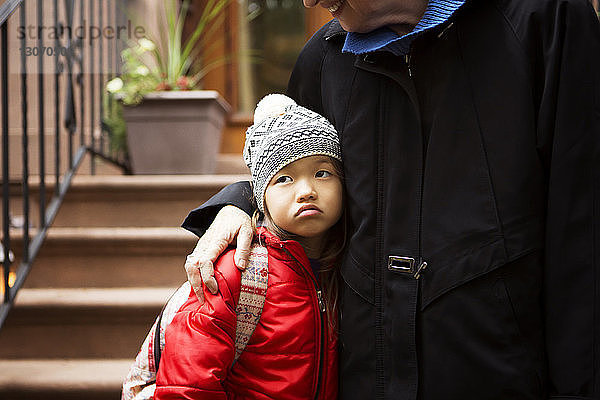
(437,12)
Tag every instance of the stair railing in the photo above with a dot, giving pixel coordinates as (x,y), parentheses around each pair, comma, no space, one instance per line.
(80,66)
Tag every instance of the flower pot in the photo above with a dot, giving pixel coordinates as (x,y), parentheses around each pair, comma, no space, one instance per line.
(175,132)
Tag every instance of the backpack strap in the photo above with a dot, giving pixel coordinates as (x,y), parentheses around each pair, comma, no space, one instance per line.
(252,297)
(165,317)
(156,339)
(140,381)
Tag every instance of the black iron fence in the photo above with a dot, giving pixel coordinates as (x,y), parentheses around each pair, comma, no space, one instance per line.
(56,57)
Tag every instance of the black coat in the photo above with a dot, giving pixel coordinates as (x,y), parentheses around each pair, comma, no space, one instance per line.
(479,155)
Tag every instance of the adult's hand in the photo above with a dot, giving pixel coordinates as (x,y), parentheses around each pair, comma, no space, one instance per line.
(230,224)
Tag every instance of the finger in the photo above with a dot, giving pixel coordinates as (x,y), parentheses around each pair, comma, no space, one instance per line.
(208,276)
(213,249)
(194,277)
(206,252)
(244,242)
(199,246)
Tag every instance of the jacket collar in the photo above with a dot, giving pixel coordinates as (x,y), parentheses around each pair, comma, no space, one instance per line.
(334,30)
(437,17)
(287,250)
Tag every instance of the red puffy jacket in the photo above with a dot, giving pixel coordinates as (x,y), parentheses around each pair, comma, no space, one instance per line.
(292,354)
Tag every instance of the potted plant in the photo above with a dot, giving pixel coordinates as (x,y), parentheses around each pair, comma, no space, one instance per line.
(172,126)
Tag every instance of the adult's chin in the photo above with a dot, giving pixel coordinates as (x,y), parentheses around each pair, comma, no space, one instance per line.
(351,25)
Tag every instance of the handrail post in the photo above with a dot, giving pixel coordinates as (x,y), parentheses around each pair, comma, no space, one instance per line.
(41,114)
(100,76)
(81,80)
(25,144)
(109,12)
(5,164)
(70,118)
(58,66)
(92,91)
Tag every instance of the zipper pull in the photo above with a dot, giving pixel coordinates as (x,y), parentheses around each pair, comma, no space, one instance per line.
(420,269)
(321,302)
(407,60)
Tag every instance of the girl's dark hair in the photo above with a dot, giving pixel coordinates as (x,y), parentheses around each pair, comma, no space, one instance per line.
(335,242)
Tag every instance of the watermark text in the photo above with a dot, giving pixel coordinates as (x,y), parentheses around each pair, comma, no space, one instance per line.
(83,31)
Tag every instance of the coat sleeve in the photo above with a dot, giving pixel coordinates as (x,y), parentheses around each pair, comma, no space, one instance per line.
(568,142)
(238,194)
(199,346)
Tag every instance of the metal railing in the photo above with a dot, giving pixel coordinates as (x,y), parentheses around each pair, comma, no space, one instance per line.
(78,120)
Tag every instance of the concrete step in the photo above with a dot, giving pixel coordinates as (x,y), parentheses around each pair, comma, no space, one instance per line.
(94,379)
(80,323)
(109,257)
(123,200)
(231,163)
(190,190)
(137,200)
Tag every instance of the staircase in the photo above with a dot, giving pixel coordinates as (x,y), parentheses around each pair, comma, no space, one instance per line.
(113,256)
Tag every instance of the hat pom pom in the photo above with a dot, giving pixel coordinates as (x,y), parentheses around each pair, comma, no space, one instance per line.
(271,106)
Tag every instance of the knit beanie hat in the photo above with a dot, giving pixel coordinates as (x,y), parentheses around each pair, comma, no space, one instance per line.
(284,132)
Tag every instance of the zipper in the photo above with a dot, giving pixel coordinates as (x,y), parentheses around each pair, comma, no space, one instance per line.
(322,309)
(378,296)
(421,265)
(321,302)
(321,344)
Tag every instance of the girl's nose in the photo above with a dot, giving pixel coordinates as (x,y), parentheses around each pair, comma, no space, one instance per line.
(306,192)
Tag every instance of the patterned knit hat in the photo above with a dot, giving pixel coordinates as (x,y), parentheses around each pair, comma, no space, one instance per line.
(284,132)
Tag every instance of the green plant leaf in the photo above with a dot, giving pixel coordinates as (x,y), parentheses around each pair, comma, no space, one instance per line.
(210,14)
(172,58)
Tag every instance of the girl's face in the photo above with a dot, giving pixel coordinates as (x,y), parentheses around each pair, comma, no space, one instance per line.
(305,197)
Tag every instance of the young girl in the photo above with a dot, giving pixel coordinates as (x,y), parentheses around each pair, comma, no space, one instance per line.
(294,157)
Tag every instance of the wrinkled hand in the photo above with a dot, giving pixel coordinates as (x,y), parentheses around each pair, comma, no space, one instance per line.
(230,224)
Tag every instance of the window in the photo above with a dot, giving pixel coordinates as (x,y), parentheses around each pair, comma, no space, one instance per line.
(272,33)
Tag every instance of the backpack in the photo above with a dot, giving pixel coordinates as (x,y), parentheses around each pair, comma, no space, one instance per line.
(141,379)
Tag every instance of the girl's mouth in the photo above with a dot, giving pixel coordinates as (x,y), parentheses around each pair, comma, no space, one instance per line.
(308,210)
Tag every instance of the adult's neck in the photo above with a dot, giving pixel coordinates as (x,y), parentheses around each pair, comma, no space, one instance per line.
(411,12)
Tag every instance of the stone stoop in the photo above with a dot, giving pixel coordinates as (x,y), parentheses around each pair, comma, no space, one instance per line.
(110,257)
(74,323)
(130,200)
(108,265)
(66,379)
(147,201)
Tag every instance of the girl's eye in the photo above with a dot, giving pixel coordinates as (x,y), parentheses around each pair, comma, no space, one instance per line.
(283,179)
(323,174)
